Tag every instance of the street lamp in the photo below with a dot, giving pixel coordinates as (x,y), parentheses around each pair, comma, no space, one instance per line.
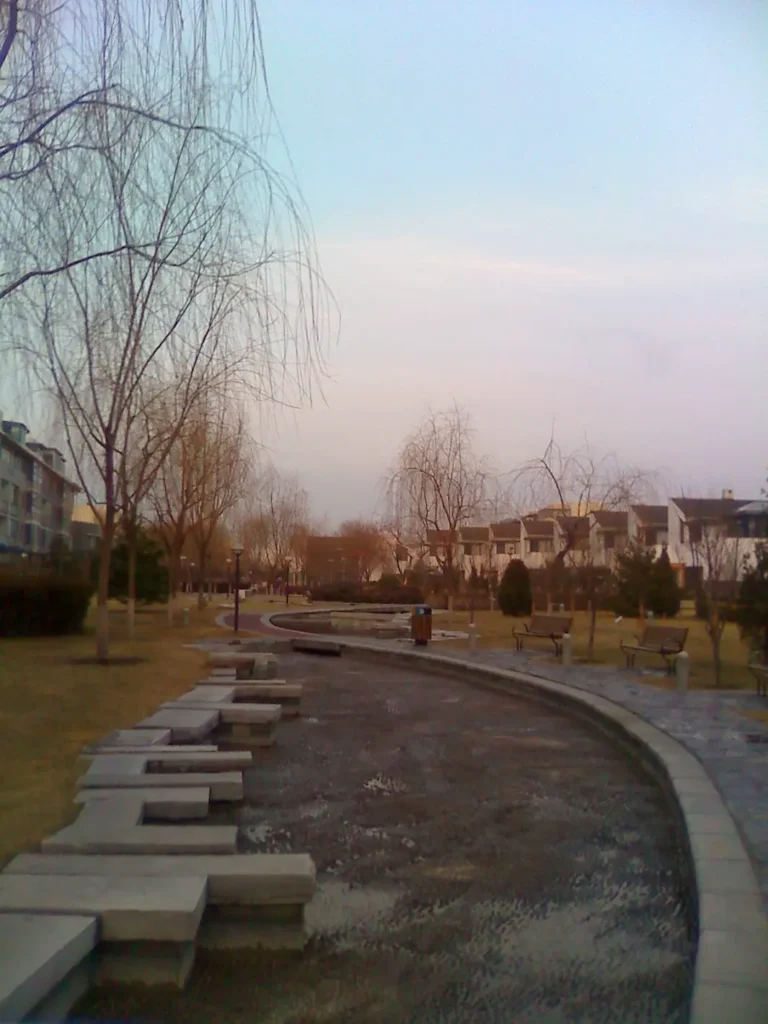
(237,550)
(191,574)
(229,577)
(185,585)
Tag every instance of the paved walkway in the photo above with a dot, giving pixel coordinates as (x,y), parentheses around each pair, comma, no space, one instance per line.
(712,725)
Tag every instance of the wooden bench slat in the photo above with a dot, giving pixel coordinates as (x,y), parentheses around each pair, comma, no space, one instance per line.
(657,638)
(544,627)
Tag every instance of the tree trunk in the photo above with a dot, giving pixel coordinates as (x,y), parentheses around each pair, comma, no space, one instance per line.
(131,540)
(102,611)
(592,606)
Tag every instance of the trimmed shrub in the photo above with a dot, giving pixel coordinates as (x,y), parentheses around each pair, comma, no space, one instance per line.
(515,589)
(42,605)
(151,575)
(752,607)
(663,591)
(382,592)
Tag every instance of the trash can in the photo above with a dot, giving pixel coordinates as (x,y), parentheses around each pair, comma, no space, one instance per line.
(421,624)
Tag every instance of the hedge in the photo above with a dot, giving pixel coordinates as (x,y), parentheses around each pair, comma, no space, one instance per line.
(42,605)
(369,593)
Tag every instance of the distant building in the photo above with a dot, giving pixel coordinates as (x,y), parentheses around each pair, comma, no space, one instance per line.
(36,497)
(86,530)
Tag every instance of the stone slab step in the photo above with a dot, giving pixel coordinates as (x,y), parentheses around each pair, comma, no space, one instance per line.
(132,737)
(176,748)
(207,693)
(144,839)
(223,786)
(186,724)
(37,952)
(243,878)
(228,659)
(309,645)
(171,761)
(247,713)
(128,909)
(182,803)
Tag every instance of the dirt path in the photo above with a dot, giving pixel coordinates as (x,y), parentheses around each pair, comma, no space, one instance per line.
(479,858)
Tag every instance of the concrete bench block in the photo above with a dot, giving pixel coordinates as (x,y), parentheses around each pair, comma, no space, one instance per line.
(37,953)
(223,786)
(266,879)
(128,908)
(144,839)
(134,737)
(310,645)
(205,694)
(175,804)
(171,761)
(246,665)
(177,748)
(186,725)
(251,713)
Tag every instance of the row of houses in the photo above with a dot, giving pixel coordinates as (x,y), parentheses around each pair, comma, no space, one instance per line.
(686,527)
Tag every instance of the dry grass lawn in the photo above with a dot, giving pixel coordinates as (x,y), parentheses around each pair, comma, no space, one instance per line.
(495,630)
(51,707)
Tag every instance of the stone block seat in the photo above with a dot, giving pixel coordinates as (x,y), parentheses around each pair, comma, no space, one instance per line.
(43,956)
(139,918)
(253,880)
(219,771)
(249,725)
(247,665)
(275,691)
(187,725)
(113,821)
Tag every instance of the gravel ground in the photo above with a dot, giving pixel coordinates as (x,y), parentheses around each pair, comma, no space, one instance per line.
(480,858)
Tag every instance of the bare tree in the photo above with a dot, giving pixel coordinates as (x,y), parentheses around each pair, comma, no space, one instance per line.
(142,234)
(572,485)
(220,460)
(439,484)
(369,546)
(718,556)
(274,516)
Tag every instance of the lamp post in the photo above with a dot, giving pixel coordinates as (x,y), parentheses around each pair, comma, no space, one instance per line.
(229,578)
(237,550)
(191,574)
(185,582)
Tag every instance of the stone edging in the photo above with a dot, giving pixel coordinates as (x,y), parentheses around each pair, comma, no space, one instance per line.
(731,973)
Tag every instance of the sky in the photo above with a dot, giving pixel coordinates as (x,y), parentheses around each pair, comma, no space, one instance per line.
(553,214)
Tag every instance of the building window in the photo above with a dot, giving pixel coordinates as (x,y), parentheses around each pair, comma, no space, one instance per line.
(609,541)
(468,550)
(501,549)
(533,546)
(694,533)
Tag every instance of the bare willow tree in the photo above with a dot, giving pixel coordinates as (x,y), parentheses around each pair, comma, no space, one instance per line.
(221,459)
(144,240)
(274,517)
(438,484)
(369,545)
(717,553)
(572,485)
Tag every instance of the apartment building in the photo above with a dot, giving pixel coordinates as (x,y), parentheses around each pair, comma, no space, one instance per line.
(716,536)
(608,536)
(36,497)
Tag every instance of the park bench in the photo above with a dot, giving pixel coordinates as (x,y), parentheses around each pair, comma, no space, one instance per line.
(666,641)
(544,627)
(759,669)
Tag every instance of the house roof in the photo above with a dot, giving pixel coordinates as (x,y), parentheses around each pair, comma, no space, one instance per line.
(473,533)
(709,508)
(539,527)
(651,515)
(438,536)
(754,508)
(574,524)
(509,530)
(611,520)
